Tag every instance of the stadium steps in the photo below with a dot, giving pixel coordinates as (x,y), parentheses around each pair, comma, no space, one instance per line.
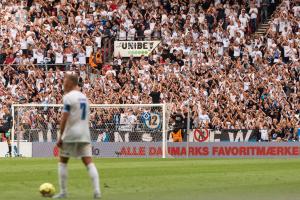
(262,28)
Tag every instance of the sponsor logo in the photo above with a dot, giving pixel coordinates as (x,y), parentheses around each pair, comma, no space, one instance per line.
(194,150)
(134,48)
(152,120)
(95,151)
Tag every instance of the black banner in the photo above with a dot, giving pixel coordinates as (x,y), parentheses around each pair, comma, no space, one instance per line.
(234,135)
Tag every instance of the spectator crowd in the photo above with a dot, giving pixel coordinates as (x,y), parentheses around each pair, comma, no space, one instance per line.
(209,58)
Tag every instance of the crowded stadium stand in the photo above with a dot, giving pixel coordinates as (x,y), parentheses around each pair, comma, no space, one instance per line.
(208,55)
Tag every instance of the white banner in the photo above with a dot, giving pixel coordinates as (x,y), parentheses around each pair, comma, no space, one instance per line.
(25,149)
(134,48)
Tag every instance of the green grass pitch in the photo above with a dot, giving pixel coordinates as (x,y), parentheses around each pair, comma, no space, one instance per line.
(158,179)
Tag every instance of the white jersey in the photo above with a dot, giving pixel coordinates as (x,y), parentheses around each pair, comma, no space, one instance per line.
(77,125)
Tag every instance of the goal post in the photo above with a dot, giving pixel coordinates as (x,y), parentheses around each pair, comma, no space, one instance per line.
(117,130)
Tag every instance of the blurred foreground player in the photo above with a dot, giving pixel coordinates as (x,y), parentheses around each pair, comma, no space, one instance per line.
(74,140)
(5,128)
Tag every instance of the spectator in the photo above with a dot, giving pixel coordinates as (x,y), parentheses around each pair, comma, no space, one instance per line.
(207,57)
(253,17)
(264,10)
(155,94)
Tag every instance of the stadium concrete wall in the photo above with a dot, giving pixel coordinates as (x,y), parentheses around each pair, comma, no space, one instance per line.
(180,150)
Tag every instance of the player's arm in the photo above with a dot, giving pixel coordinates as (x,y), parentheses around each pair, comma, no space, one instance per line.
(63,121)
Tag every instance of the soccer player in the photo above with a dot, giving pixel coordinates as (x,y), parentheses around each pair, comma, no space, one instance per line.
(6,126)
(74,140)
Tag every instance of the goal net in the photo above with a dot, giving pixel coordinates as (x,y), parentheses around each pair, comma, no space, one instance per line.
(120,130)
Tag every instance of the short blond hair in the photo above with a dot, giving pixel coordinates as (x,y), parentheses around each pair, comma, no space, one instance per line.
(73,78)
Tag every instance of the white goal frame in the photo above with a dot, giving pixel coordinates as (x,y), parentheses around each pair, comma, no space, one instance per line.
(163,106)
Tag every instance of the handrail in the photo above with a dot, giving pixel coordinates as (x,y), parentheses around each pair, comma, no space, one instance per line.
(65,65)
(128,38)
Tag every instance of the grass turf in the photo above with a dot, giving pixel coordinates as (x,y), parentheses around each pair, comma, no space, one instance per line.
(158,179)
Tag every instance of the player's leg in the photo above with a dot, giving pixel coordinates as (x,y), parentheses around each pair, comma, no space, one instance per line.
(62,177)
(86,156)
(65,151)
(93,172)
(9,146)
(7,137)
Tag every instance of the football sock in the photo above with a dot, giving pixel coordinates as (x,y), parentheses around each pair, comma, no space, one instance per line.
(9,149)
(93,172)
(62,177)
